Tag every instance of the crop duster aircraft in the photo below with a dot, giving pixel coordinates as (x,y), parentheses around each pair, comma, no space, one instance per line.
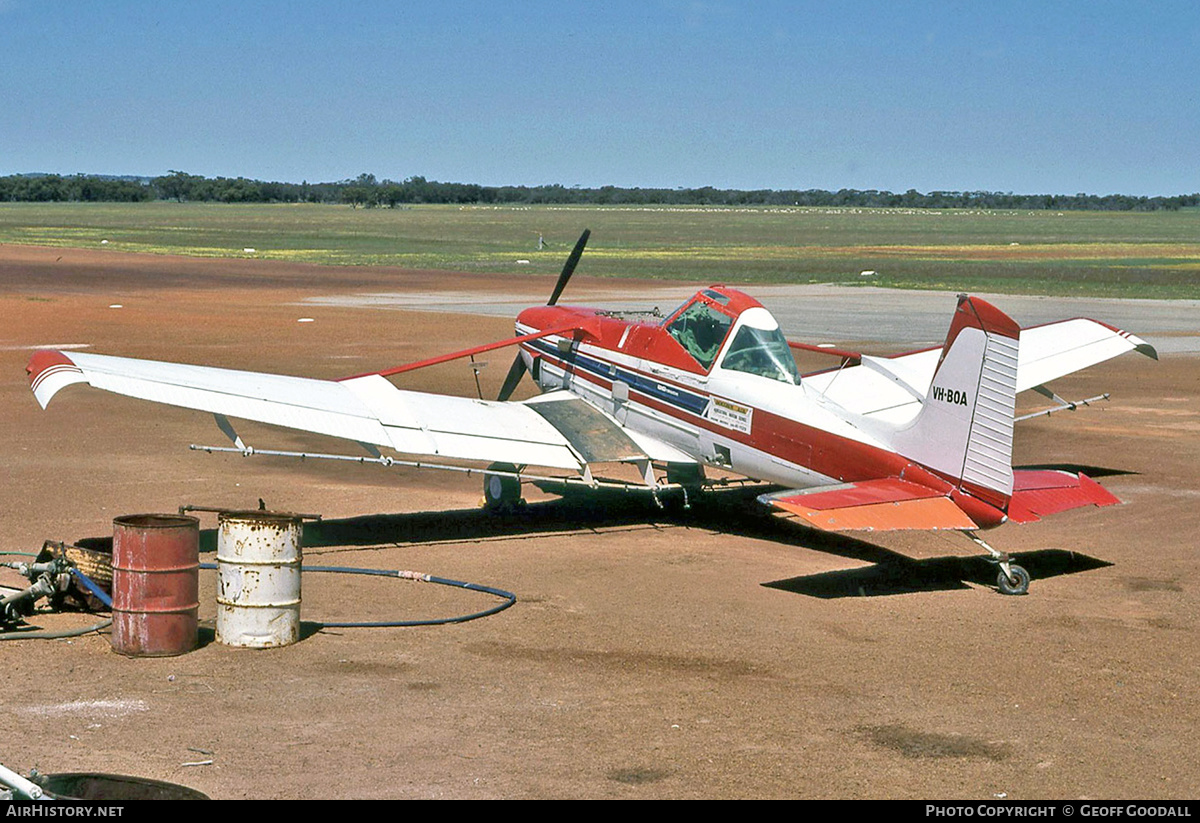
(915,441)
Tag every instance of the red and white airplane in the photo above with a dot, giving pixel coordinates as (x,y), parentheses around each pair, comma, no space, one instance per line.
(915,441)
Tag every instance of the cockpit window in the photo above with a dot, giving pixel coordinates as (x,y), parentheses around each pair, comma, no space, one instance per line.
(701,329)
(765,353)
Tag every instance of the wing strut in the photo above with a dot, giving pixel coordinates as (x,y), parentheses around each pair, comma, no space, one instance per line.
(227,429)
(1062,405)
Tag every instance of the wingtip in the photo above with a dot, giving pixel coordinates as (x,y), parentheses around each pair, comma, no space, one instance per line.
(50,370)
(1139,345)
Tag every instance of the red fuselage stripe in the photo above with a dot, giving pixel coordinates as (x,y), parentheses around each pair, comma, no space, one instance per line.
(805,446)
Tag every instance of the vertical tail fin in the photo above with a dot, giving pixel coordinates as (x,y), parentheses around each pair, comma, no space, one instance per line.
(965,428)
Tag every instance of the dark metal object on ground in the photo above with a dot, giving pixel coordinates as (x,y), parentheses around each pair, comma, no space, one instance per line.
(44,581)
(96,565)
(90,786)
(49,576)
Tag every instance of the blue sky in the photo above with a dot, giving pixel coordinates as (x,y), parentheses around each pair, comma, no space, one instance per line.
(1031,97)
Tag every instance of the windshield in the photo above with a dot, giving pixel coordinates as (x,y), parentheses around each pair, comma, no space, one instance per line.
(761,352)
(701,329)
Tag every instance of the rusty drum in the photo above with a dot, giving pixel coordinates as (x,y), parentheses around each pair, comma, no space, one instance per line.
(258,579)
(156,580)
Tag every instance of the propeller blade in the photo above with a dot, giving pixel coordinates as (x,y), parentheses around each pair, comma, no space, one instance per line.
(515,373)
(569,267)
(517,370)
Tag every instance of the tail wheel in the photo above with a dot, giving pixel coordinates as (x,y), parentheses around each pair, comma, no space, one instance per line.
(501,492)
(1015,582)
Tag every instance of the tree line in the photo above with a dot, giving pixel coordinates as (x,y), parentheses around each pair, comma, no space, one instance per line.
(367,191)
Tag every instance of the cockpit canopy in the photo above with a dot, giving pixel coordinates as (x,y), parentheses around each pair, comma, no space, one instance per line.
(703,324)
(759,347)
(700,327)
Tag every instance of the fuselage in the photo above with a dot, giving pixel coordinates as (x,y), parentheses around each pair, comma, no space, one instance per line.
(716,380)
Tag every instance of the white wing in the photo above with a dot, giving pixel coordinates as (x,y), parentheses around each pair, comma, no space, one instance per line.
(892,388)
(365,409)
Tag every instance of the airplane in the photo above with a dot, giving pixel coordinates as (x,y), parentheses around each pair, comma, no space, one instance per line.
(922,440)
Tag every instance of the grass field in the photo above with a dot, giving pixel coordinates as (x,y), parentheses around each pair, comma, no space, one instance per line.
(1119,254)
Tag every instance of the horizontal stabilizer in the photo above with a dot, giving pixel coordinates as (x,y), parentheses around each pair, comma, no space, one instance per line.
(1065,347)
(884,390)
(1040,492)
(889,504)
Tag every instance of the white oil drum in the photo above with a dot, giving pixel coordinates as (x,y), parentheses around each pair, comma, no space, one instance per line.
(258,579)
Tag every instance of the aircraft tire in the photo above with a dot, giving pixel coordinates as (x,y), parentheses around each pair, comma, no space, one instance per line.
(501,492)
(1018,584)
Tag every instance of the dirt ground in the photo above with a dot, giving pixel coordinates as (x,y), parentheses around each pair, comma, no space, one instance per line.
(716,652)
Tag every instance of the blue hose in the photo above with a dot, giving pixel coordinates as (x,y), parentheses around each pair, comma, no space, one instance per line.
(91,587)
(508,597)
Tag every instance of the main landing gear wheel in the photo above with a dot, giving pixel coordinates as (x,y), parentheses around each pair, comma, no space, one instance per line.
(1015,582)
(501,492)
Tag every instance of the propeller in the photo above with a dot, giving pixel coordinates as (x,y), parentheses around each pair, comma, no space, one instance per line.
(517,370)
(569,267)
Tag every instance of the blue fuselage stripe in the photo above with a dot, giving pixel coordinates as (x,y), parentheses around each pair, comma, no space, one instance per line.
(671,395)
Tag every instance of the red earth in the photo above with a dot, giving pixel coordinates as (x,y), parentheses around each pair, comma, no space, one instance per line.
(716,652)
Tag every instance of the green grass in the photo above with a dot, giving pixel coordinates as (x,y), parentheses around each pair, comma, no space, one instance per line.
(1120,254)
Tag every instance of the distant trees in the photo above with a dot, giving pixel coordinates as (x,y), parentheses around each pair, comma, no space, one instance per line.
(369,192)
(176,185)
(44,188)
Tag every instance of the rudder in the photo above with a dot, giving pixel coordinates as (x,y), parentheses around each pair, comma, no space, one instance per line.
(964,430)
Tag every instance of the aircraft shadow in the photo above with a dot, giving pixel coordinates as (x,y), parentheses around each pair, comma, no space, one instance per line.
(733,511)
(1078,468)
(464,525)
(729,511)
(906,576)
(576,512)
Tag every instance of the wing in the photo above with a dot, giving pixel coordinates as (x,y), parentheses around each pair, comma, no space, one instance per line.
(892,388)
(367,409)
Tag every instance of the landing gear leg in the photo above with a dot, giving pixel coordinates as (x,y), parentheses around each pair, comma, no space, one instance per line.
(1012,579)
(501,492)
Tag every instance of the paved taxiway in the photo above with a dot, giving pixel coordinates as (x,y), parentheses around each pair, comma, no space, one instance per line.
(827,313)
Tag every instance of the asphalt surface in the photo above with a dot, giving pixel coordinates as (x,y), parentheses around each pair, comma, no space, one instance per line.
(834,314)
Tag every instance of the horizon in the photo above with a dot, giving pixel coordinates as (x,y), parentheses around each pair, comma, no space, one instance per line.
(385,180)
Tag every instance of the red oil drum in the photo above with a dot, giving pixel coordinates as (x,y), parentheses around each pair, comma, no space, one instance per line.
(156,582)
